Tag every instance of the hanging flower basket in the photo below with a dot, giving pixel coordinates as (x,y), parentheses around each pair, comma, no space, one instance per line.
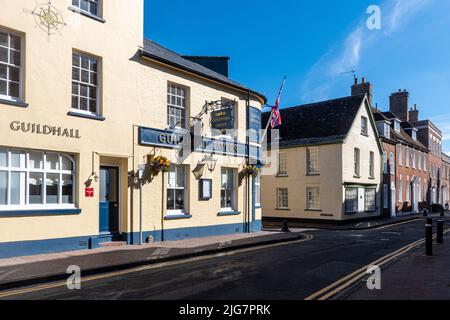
(251,171)
(158,164)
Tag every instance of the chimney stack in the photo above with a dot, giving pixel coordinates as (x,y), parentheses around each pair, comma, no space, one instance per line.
(399,104)
(414,115)
(362,88)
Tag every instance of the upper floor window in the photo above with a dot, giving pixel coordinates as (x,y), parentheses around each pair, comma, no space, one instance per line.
(88,6)
(385,163)
(397,126)
(176,106)
(392,163)
(85,87)
(282,164)
(413,156)
(10,66)
(387,131)
(414,135)
(400,154)
(420,160)
(356,164)
(312,160)
(407,156)
(364,127)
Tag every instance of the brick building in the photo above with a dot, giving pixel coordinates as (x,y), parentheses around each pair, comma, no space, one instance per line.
(445,185)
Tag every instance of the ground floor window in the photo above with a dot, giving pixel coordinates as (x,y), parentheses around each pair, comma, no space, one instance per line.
(176,190)
(282,198)
(313,198)
(228,189)
(36,179)
(370,200)
(351,200)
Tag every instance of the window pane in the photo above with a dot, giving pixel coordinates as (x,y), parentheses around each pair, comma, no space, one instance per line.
(15,42)
(52,161)
(3,158)
(17,188)
(35,160)
(67,163)
(52,188)
(14,90)
(76,74)
(179,199)
(75,102)
(15,58)
(3,39)
(3,71)
(180,177)
(3,54)
(14,74)
(35,186)
(3,187)
(18,159)
(3,87)
(67,189)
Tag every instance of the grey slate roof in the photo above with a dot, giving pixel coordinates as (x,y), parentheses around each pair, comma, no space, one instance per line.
(157,52)
(325,122)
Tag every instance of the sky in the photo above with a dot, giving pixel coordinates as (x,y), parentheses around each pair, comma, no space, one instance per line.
(316,43)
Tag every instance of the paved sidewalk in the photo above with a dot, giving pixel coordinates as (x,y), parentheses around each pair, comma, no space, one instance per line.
(415,277)
(22,271)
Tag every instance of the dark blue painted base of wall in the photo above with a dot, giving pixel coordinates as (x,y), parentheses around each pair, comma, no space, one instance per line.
(25,248)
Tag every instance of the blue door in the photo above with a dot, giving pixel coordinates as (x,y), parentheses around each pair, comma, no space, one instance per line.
(109,200)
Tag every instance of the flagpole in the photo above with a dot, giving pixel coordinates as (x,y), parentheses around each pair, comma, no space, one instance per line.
(271,110)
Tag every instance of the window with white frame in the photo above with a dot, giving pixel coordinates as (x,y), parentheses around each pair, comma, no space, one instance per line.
(420,160)
(387,131)
(400,189)
(351,200)
(88,6)
(176,106)
(397,126)
(312,160)
(408,189)
(425,162)
(36,180)
(364,127)
(282,198)
(425,191)
(228,189)
(372,164)
(10,66)
(385,196)
(85,84)
(400,154)
(413,155)
(313,198)
(392,163)
(407,156)
(176,190)
(370,200)
(282,164)
(257,191)
(356,162)
(385,163)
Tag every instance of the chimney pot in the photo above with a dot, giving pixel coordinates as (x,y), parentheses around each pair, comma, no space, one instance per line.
(363,80)
(356,80)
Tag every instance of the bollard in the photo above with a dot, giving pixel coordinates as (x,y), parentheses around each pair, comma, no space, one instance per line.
(425,212)
(429,237)
(440,231)
(442,212)
(285,227)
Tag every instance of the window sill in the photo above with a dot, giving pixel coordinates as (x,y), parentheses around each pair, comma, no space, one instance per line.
(14,103)
(282,176)
(313,175)
(87,14)
(365,134)
(86,116)
(357,177)
(178,217)
(371,178)
(313,210)
(228,213)
(282,209)
(40,213)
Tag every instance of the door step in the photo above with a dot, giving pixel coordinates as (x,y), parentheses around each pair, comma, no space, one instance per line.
(113,244)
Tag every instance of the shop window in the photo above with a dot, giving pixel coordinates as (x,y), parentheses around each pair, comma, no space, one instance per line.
(36,180)
(370,200)
(351,200)
(228,189)
(176,190)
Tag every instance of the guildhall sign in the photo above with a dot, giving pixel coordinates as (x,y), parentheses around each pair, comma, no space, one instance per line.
(35,128)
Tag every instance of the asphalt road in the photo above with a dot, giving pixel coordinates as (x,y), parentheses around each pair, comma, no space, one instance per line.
(288,272)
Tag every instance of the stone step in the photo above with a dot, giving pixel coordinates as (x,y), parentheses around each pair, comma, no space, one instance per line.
(112,244)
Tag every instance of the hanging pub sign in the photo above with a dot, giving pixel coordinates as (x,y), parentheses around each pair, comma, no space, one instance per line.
(222,119)
(161,138)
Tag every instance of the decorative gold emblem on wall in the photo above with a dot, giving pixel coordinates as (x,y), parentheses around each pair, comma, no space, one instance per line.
(48,18)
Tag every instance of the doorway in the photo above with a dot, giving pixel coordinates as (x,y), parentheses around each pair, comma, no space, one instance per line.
(109,200)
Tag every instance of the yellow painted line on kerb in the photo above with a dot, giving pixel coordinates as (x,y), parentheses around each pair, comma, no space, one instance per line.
(344,283)
(59,284)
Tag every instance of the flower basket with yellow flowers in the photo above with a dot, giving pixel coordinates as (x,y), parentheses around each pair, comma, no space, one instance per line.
(159,164)
(251,171)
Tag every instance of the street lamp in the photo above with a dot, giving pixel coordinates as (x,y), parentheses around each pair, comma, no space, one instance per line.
(211,163)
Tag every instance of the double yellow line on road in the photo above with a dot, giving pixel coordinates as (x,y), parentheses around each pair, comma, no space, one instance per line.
(344,283)
(16,292)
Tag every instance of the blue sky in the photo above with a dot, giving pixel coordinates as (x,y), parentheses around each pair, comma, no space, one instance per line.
(314,42)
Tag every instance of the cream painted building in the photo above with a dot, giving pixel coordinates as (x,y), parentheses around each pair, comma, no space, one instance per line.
(329,165)
(85,102)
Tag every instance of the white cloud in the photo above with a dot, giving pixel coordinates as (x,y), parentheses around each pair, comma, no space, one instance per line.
(332,66)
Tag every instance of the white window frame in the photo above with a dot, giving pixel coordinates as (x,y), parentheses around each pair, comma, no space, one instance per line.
(366,207)
(408,190)
(407,157)
(311,203)
(282,198)
(385,162)
(25,205)
(232,190)
(372,164)
(257,191)
(282,164)
(400,155)
(175,187)
(364,126)
(392,164)
(172,103)
(357,162)
(400,189)
(77,4)
(312,161)
(89,85)
(354,200)
(413,156)
(9,65)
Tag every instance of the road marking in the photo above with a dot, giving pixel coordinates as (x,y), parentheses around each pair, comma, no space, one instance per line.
(347,281)
(16,292)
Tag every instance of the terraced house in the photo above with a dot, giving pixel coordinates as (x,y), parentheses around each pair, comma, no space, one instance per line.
(90,113)
(329,163)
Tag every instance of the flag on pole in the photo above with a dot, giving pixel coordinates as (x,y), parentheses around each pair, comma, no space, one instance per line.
(275,120)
